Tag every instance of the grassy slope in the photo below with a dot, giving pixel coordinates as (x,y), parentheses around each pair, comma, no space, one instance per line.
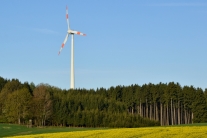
(14,130)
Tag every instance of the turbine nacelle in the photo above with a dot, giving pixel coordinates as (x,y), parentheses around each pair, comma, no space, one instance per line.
(75,32)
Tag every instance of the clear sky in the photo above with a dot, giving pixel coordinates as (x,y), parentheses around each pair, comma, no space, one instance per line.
(128,42)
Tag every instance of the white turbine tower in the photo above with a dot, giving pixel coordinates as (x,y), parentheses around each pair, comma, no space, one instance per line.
(70,32)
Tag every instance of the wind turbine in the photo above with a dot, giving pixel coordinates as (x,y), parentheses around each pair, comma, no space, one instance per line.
(70,32)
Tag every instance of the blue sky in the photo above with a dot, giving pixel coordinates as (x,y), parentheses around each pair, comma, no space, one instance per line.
(128,42)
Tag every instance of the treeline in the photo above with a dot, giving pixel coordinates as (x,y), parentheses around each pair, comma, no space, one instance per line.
(120,106)
(46,105)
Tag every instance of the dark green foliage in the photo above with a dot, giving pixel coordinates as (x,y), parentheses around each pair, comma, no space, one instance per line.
(199,107)
(120,106)
(2,83)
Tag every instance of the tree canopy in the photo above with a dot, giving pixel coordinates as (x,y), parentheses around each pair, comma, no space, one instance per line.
(119,106)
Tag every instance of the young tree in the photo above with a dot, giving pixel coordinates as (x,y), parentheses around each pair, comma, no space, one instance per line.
(17,106)
(42,104)
(8,88)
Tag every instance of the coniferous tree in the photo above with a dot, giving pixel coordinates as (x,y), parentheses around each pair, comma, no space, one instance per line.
(199,107)
(120,106)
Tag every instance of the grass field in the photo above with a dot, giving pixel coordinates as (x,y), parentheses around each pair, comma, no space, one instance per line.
(186,131)
(15,130)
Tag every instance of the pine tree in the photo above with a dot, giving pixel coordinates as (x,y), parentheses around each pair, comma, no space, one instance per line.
(199,107)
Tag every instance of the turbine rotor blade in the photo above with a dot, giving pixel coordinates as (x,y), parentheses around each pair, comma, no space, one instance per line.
(67,18)
(63,44)
(79,33)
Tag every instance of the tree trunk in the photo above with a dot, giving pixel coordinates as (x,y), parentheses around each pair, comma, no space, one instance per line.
(164,115)
(19,121)
(146,108)
(150,111)
(161,120)
(189,116)
(178,112)
(140,106)
(181,114)
(167,116)
(138,111)
(154,113)
(185,116)
(174,115)
(171,113)
(157,116)
(42,122)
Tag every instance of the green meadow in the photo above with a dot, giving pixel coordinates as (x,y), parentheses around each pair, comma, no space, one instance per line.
(15,130)
(7,130)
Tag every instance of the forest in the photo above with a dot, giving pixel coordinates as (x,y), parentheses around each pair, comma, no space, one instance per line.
(119,106)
